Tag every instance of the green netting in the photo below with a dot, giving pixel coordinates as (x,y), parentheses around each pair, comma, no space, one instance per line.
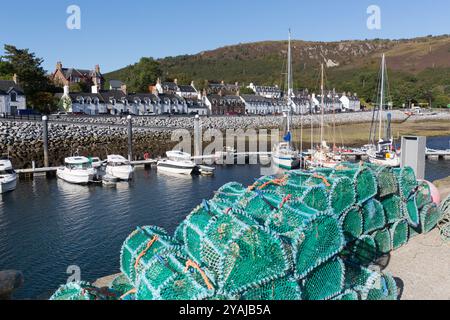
(287,221)
(386,180)
(399,234)
(413,232)
(231,192)
(342,195)
(383,241)
(352,224)
(165,277)
(423,195)
(364,250)
(373,216)
(429,217)
(317,242)
(357,277)
(324,282)
(285,288)
(122,285)
(406,180)
(140,246)
(82,291)
(411,212)
(392,208)
(256,256)
(348,295)
(364,180)
(384,288)
(260,205)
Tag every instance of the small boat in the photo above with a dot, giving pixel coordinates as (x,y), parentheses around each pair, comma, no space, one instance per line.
(285,157)
(8,177)
(77,170)
(97,163)
(109,181)
(177,162)
(119,167)
(382,152)
(206,171)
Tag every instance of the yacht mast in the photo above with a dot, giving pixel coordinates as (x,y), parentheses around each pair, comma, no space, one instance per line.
(383,64)
(289,100)
(323,109)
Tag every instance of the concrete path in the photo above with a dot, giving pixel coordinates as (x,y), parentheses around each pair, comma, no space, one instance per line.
(422,268)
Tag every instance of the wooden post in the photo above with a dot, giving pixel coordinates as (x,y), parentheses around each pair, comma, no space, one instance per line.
(45,140)
(197,139)
(130,138)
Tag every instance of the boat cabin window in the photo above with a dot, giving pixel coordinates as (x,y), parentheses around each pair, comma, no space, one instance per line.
(78,166)
(7,171)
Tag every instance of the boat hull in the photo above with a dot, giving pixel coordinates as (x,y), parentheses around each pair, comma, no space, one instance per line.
(122,173)
(286,163)
(9,185)
(185,170)
(75,177)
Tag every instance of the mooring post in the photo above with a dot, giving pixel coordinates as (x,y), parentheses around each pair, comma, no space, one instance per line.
(130,138)
(197,140)
(413,154)
(45,140)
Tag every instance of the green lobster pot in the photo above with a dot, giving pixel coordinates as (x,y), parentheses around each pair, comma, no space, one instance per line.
(348,295)
(140,247)
(411,212)
(423,195)
(392,208)
(352,224)
(80,291)
(406,180)
(386,180)
(383,241)
(287,221)
(373,216)
(230,193)
(429,217)
(317,242)
(168,276)
(399,234)
(324,282)
(260,205)
(282,289)
(364,250)
(254,257)
(384,288)
(364,180)
(122,285)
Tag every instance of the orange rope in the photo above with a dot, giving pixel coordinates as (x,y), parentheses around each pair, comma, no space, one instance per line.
(286,199)
(325,181)
(278,182)
(132,291)
(192,264)
(149,245)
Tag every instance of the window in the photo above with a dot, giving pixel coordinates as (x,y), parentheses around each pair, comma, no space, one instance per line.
(13,97)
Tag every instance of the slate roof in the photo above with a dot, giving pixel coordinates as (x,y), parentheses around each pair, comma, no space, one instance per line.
(187,89)
(115,83)
(7,85)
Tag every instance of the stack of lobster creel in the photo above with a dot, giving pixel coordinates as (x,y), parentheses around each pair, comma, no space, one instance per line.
(305,235)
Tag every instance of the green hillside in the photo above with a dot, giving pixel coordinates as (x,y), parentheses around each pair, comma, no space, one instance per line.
(419,68)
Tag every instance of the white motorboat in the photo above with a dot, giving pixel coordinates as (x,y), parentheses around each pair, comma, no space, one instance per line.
(177,162)
(382,152)
(77,170)
(97,163)
(285,157)
(8,177)
(119,167)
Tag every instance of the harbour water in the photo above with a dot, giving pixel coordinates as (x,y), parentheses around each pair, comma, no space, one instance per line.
(47,225)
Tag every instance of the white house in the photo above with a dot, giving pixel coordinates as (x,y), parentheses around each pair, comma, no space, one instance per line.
(266,91)
(12,97)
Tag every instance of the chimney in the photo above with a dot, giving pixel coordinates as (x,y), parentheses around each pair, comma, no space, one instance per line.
(158,81)
(97,68)
(193,84)
(16,81)
(59,65)
(94,89)
(123,88)
(66,90)
(175,81)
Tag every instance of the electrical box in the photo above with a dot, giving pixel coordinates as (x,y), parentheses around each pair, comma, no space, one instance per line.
(413,154)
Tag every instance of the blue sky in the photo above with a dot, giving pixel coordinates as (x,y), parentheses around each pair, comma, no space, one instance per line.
(117,33)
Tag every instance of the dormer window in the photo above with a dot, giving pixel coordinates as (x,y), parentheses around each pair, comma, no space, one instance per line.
(13,96)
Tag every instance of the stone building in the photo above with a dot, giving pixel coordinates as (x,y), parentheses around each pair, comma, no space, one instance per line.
(69,76)
(12,97)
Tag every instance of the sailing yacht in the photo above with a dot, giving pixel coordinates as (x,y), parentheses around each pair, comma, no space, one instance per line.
(283,153)
(8,177)
(383,151)
(323,156)
(177,162)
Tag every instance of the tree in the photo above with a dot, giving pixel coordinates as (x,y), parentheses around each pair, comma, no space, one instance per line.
(31,75)
(143,74)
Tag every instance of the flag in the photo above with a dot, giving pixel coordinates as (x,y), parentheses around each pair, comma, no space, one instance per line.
(287,137)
